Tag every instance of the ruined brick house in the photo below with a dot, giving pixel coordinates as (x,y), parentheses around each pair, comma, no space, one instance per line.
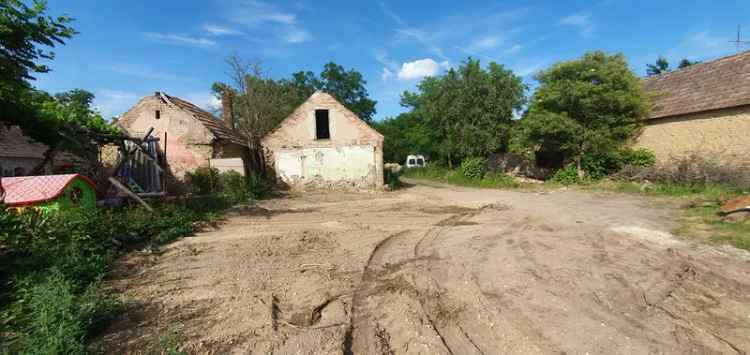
(703,109)
(20,155)
(193,136)
(324,144)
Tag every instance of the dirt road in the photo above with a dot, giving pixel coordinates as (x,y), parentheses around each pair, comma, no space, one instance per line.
(441,270)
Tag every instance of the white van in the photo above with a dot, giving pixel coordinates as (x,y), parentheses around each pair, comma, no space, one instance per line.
(415,161)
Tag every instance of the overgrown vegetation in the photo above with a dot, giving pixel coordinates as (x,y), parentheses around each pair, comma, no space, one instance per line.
(230,185)
(458,177)
(52,265)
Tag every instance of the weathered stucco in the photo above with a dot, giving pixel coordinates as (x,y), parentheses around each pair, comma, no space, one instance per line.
(351,158)
(721,133)
(189,144)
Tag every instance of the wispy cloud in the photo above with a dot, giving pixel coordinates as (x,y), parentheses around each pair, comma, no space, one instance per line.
(486,43)
(113,103)
(431,40)
(386,75)
(258,14)
(145,73)
(218,30)
(179,39)
(581,21)
(395,17)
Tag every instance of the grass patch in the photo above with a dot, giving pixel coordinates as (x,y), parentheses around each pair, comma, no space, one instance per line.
(702,221)
(455,177)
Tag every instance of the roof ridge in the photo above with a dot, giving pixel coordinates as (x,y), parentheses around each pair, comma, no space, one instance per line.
(697,65)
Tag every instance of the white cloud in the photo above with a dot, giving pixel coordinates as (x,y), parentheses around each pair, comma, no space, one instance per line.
(259,14)
(145,73)
(387,74)
(296,35)
(513,49)
(581,21)
(178,39)
(217,30)
(485,43)
(418,69)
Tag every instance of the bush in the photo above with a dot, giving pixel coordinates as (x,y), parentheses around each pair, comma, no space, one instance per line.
(257,185)
(640,157)
(474,168)
(203,180)
(567,176)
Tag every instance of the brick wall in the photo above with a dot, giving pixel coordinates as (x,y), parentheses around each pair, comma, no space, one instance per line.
(722,133)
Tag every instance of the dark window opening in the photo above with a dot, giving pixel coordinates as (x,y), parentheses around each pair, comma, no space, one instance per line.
(322,130)
(157,114)
(420,162)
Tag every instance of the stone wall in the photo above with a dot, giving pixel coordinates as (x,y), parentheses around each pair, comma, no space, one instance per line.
(334,162)
(721,133)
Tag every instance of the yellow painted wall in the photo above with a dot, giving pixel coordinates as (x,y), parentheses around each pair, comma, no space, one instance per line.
(722,133)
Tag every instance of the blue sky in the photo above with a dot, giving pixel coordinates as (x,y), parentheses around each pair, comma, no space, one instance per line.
(129,49)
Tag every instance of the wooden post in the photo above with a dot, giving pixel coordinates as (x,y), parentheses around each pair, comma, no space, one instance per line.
(130,194)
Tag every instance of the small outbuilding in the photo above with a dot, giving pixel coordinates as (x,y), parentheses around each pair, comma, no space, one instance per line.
(322,144)
(50,192)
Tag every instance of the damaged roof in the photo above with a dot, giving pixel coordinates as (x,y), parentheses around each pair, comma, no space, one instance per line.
(213,124)
(719,84)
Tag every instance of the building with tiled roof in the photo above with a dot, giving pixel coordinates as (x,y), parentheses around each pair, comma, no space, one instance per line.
(20,155)
(190,136)
(704,109)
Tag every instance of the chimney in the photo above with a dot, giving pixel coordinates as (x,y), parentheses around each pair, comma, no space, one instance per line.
(227,97)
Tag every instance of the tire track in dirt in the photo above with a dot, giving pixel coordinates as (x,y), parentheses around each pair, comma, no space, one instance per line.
(400,270)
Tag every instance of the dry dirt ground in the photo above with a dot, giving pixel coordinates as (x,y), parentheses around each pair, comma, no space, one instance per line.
(440,270)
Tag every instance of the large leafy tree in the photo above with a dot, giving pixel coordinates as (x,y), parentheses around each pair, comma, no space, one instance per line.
(26,34)
(468,109)
(347,86)
(590,105)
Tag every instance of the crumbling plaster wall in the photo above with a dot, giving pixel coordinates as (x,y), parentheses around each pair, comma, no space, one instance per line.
(351,158)
(189,143)
(722,134)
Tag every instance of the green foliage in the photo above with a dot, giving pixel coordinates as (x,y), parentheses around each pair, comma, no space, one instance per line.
(24,32)
(591,105)
(567,176)
(404,135)
(661,66)
(52,264)
(469,110)
(203,180)
(641,157)
(490,180)
(347,86)
(257,185)
(474,168)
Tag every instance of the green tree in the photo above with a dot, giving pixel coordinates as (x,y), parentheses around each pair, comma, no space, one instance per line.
(25,33)
(586,106)
(406,134)
(347,86)
(469,109)
(684,63)
(661,66)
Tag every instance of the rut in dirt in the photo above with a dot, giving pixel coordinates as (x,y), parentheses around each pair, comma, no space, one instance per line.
(396,278)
